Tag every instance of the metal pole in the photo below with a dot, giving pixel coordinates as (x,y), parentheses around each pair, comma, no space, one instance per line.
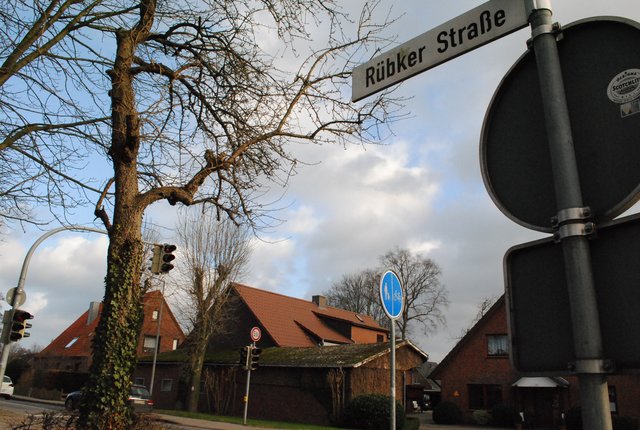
(392,424)
(23,275)
(155,352)
(246,391)
(575,246)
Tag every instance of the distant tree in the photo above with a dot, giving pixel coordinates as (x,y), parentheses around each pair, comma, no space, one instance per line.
(213,253)
(358,292)
(425,296)
(482,308)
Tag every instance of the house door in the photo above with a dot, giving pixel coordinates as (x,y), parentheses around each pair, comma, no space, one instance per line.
(539,405)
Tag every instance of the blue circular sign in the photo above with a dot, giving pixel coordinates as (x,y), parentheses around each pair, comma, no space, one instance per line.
(391,295)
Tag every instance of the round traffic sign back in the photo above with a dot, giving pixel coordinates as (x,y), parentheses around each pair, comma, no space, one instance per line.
(600,64)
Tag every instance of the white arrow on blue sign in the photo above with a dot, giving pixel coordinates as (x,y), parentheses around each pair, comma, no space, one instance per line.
(391,295)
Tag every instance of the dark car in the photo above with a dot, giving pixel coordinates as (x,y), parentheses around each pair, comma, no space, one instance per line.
(139,397)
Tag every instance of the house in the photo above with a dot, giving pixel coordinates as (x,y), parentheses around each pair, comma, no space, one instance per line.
(315,359)
(291,322)
(477,375)
(65,362)
(297,384)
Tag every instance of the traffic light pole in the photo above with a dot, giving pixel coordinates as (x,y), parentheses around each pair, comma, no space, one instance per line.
(246,391)
(15,299)
(573,228)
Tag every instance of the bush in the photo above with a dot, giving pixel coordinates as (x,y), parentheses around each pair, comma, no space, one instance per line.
(371,412)
(502,415)
(447,413)
(412,423)
(482,417)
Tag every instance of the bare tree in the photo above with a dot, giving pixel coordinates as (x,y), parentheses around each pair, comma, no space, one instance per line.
(485,304)
(213,254)
(425,296)
(359,292)
(46,134)
(200,112)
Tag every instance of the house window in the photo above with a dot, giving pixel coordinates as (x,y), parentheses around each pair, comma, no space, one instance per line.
(72,342)
(166,385)
(175,344)
(380,338)
(138,381)
(497,345)
(154,315)
(484,396)
(149,344)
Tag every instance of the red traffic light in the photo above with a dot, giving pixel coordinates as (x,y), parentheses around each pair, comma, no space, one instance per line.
(20,316)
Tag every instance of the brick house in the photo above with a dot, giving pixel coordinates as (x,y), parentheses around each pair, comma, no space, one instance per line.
(477,375)
(315,359)
(291,322)
(69,354)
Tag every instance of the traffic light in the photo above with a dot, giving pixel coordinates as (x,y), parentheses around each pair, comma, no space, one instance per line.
(19,325)
(162,258)
(155,259)
(255,357)
(167,258)
(244,357)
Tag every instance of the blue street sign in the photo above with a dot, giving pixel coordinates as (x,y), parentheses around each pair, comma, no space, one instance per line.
(391,295)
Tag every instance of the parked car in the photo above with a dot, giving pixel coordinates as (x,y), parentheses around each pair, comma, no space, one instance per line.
(139,398)
(7,388)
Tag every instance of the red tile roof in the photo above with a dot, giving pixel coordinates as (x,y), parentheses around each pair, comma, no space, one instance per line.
(296,322)
(75,341)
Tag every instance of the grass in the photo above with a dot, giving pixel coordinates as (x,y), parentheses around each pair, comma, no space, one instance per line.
(250,422)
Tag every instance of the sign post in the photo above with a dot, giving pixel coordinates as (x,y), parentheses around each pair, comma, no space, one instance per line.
(255,335)
(392,298)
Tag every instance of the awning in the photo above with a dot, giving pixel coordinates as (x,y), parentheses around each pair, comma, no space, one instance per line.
(540,382)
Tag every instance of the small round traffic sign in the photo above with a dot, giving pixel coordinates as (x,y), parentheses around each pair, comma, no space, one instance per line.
(256,334)
(391,295)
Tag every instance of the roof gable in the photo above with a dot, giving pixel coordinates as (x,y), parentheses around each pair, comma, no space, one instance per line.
(75,340)
(298,323)
(474,331)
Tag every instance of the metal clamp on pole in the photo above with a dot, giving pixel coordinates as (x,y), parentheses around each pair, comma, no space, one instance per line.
(534,5)
(592,366)
(573,222)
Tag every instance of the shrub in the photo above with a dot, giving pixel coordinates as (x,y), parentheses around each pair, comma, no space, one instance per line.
(447,413)
(502,415)
(412,423)
(482,417)
(371,412)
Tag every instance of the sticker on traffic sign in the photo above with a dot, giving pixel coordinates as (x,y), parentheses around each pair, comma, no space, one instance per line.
(256,334)
(391,295)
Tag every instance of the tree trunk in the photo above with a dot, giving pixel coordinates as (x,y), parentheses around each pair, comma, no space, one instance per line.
(105,404)
(196,363)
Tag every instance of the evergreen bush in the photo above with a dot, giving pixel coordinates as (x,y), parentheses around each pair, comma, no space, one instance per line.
(371,412)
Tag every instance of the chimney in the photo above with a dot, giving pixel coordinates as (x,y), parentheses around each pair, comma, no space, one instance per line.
(320,301)
(94,310)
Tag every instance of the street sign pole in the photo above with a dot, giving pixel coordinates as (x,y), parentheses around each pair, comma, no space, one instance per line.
(392,298)
(246,391)
(573,227)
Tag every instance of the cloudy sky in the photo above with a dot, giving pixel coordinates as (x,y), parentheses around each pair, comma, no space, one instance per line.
(421,189)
